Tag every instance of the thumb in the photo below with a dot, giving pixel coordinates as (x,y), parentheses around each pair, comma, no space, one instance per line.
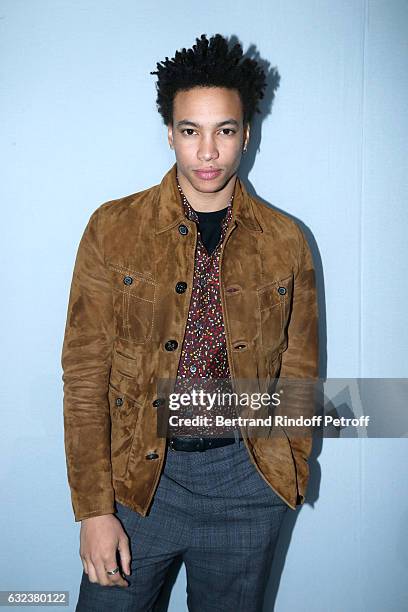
(124,554)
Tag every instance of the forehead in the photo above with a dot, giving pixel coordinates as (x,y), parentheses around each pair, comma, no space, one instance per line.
(207,103)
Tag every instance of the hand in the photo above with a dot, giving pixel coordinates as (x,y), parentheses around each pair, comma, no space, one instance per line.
(100,537)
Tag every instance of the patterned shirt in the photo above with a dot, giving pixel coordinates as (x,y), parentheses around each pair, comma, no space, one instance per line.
(204,361)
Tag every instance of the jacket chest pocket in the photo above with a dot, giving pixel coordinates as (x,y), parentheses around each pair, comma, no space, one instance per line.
(134,297)
(274,303)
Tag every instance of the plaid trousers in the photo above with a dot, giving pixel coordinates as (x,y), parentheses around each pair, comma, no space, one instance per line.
(213,510)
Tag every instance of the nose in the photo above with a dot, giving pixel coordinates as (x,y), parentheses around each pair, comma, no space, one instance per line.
(207,150)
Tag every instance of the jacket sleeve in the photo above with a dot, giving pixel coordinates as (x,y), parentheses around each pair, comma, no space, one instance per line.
(299,369)
(86,363)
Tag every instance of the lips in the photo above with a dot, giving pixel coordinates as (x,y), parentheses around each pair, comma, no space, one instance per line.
(207,175)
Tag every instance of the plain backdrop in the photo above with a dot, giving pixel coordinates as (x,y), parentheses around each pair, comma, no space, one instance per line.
(80,127)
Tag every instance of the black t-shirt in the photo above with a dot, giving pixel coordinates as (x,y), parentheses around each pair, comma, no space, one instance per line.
(209,225)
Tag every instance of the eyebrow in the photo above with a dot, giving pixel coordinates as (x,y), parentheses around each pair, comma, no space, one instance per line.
(197,125)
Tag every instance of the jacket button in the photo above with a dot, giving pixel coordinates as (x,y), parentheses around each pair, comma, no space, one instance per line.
(119,401)
(181,286)
(158,402)
(282,290)
(171,345)
(183,229)
(128,280)
(152,456)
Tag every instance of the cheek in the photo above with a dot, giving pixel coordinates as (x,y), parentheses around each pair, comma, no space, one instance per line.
(231,152)
(186,150)
(230,147)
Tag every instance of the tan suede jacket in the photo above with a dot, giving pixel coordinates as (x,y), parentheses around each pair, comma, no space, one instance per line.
(123,311)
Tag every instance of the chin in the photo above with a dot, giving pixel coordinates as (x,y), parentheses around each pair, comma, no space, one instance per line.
(205,187)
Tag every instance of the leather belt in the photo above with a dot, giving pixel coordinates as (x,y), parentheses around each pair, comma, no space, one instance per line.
(198,444)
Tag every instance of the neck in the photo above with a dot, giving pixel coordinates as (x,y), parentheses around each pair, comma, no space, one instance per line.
(207,202)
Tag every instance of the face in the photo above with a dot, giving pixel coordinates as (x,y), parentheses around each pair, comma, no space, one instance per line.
(208,136)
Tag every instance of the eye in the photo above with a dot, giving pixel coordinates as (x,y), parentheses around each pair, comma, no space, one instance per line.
(187,130)
(230,130)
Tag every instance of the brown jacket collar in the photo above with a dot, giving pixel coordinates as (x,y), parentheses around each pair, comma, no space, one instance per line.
(170,212)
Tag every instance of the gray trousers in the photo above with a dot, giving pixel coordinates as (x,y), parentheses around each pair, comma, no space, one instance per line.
(213,510)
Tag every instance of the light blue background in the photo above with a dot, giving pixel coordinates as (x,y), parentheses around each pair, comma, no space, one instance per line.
(80,127)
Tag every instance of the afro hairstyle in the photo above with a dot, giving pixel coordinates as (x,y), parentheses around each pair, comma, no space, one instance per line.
(210,63)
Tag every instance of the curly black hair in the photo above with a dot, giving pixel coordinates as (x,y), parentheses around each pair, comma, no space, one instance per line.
(210,63)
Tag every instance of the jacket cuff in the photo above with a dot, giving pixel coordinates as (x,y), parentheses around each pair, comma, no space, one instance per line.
(83,510)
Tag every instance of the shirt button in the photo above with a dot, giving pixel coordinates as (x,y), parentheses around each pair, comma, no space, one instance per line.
(128,280)
(152,456)
(202,281)
(193,368)
(171,345)
(181,286)
(282,290)
(183,229)
(119,401)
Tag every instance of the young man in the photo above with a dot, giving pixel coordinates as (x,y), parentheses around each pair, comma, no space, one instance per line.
(192,277)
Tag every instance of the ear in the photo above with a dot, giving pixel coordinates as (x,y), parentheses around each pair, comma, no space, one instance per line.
(170,135)
(247,129)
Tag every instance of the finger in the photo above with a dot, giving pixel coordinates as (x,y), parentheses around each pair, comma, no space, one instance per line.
(118,580)
(84,563)
(101,574)
(110,580)
(115,579)
(124,553)
(85,566)
(91,572)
